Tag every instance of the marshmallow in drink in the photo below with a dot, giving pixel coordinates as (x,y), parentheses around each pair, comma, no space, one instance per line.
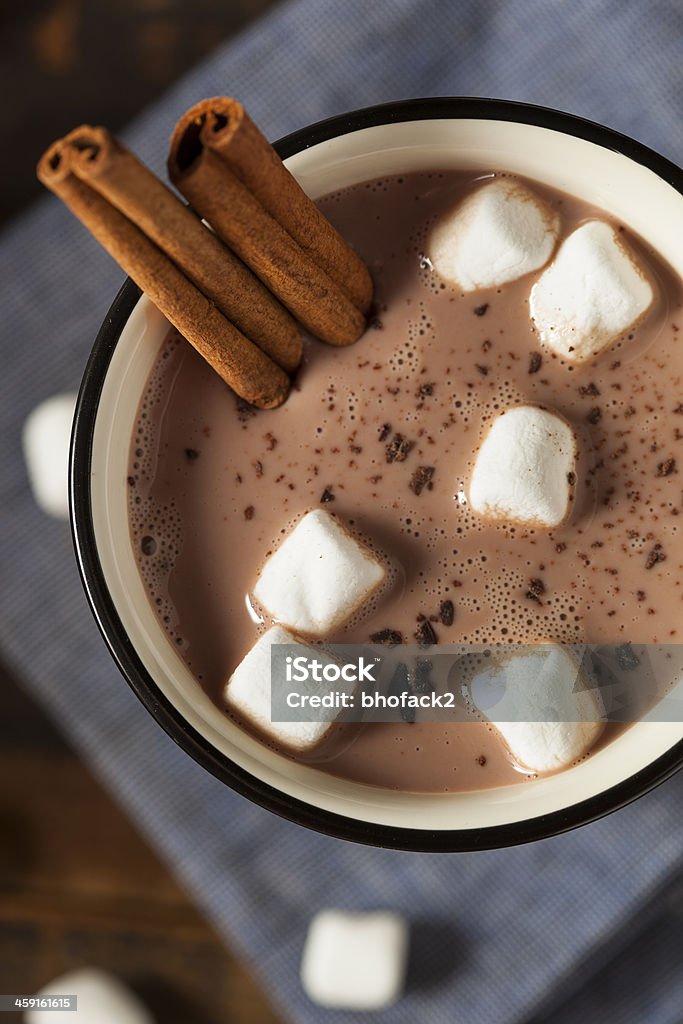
(500,232)
(591,293)
(101,999)
(46,438)
(524,471)
(318,577)
(541,703)
(248,692)
(355,961)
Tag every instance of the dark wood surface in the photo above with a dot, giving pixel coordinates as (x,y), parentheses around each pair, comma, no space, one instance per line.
(68,62)
(78,885)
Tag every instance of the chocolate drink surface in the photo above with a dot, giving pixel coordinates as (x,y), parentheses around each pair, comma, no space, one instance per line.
(384,434)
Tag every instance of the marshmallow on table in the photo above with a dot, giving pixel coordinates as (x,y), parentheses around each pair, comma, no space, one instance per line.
(355,961)
(101,999)
(540,702)
(591,293)
(318,577)
(249,692)
(46,438)
(525,468)
(499,233)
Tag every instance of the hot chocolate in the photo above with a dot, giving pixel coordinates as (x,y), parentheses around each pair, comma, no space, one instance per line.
(386,435)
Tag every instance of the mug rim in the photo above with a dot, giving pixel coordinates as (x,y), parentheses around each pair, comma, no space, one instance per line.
(105,612)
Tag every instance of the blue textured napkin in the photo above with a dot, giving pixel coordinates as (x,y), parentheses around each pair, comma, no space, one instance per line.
(585,924)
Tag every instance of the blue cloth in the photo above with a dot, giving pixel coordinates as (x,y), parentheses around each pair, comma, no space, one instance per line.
(548,931)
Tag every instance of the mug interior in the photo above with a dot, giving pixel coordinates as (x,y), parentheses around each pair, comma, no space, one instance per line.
(603,176)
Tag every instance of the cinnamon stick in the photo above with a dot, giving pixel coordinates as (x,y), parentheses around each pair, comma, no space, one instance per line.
(105,165)
(243,366)
(261,242)
(226,128)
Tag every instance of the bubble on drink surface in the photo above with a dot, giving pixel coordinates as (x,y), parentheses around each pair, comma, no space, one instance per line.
(155,527)
(148,545)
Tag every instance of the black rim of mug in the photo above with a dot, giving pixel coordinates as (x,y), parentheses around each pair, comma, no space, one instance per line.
(111,627)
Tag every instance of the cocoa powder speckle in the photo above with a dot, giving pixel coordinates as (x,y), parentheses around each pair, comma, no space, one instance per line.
(666,468)
(536,589)
(447,612)
(398,448)
(655,555)
(421,478)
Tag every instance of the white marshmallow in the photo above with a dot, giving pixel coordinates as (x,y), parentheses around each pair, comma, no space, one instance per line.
(591,293)
(248,692)
(101,999)
(522,469)
(46,439)
(499,233)
(355,961)
(540,703)
(318,577)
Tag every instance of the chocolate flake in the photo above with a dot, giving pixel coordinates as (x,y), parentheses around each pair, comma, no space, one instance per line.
(589,390)
(483,370)
(481,760)
(447,612)
(249,512)
(535,362)
(191,454)
(271,441)
(422,681)
(326,496)
(536,588)
(560,547)
(258,467)
(571,479)
(384,431)
(425,635)
(595,415)
(425,390)
(244,410)
(398,448)
(481,310)
(627,659)
(387,637)
(666,468)
(679,409)
(421,478)
(400,683)
(655,555)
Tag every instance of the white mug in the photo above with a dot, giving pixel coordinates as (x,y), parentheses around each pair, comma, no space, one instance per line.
(628,181)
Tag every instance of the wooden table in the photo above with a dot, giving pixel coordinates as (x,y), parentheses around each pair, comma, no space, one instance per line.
(69,62)
(78,885)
